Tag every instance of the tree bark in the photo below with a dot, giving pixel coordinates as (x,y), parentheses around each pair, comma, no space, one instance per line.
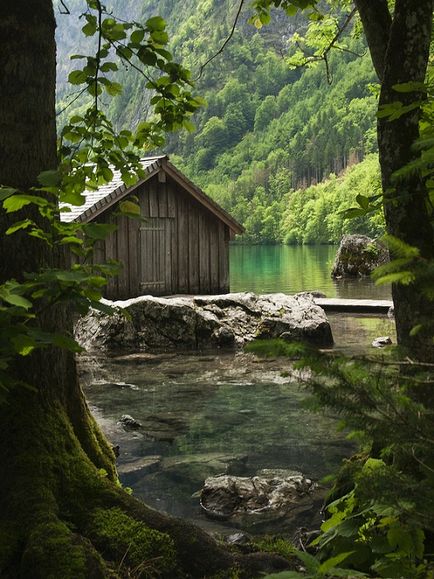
(376,21)
(406,200)
(400,48)
(62,511)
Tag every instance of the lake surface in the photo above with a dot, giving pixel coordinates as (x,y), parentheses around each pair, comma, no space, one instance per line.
(291,269)
(203,414)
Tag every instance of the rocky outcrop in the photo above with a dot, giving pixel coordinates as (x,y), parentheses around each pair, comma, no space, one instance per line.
(229,320)
(269,496)
(358,255)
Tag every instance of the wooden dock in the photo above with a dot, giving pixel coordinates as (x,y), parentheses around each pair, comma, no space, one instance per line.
(354,306)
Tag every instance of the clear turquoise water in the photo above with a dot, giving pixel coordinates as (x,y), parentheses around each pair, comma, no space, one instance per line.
(291,269)
(195,408)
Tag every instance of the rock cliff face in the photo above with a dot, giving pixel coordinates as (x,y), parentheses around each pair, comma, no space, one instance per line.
(358,255)
(229,320)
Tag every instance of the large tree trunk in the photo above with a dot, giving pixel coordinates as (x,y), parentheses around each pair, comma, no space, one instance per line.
(405,201)
(62,511)
(400,50)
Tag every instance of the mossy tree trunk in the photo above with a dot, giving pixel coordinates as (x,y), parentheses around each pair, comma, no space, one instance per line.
(62,512)
(400,48)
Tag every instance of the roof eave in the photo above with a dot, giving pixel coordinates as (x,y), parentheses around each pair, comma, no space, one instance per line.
(235,227)
(117,195)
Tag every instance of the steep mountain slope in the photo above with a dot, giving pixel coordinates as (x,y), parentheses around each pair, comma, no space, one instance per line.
(267,129)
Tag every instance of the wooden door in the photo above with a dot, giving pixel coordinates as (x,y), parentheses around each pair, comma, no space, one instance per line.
(156,256)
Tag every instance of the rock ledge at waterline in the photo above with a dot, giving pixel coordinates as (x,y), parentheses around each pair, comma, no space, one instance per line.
(228,320)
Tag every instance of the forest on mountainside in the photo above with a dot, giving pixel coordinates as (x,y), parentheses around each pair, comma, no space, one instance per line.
(269,136)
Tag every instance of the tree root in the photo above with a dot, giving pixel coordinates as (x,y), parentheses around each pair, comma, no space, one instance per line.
(63,515)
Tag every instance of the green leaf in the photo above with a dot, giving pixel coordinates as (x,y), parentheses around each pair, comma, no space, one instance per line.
(353,212)
(406,87)
(159,37)
(129,208)
(6,192)
(102,307)
(156,23)
(90,28)
(77,77)
(114,89)
(98,230)
(71,240)
(189,126)
(15,300)
(333,562)
(363,201)
(19,225)
(67,343)
(137,36)
(23,344)
(17,202)
(49,178)
(373,464)
(312,563)
(109,66)
(291,10)
(416,329)
(403,277)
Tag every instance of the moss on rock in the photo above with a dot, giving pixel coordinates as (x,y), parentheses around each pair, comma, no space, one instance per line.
(124,539)
(53,551)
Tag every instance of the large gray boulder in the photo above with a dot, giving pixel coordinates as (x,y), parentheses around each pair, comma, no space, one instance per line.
(249,501)
(357,256)
(229,320)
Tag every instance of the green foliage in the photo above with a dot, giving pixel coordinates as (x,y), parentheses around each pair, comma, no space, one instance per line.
(275,544)
(90,149)
(320,212)
(382,520)
(267,130)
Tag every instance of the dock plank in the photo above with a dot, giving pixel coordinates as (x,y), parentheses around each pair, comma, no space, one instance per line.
(351,305)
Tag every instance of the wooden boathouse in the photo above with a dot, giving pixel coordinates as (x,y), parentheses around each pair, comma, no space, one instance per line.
(181,244)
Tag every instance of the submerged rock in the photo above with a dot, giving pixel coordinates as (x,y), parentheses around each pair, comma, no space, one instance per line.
(357,256)
(131,472)
(258,499)
(237,539)
(381,342)
(129,423)
(229,320)
(195,468)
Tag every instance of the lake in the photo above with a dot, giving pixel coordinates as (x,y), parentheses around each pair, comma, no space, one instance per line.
(203,413)
(291,269)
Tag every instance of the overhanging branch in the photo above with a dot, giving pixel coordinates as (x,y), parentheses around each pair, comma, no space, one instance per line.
(220,50)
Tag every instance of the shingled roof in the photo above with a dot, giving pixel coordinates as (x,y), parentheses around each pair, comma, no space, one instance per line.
(106,196)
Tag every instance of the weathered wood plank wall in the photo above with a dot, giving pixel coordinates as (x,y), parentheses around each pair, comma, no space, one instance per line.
(180,247)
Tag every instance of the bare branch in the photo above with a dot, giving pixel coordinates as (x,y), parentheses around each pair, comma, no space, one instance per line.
(309,58)
(98,54)
(72,101)
(65,8)
(220,50)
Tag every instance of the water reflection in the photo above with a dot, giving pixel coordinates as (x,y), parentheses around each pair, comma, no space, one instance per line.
(291,269)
